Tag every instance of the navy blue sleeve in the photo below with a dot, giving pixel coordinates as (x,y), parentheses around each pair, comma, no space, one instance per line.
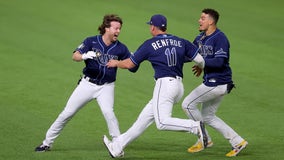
(127,55)
(85,46)
(134,69)
(141,54)
(221,54)
(214,62)
(191,51)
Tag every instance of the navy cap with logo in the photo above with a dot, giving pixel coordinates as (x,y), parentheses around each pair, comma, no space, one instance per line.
(158,20)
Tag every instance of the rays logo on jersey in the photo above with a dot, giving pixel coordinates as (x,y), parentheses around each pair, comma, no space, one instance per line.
(205,50)
(102,58)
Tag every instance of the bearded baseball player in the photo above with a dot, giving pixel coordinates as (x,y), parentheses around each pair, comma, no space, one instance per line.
(97,81)
(167,54)
(217,82)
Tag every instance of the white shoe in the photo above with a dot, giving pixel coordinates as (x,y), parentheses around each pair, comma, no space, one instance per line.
(114,151)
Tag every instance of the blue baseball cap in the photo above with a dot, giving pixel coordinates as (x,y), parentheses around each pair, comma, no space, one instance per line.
(158,20)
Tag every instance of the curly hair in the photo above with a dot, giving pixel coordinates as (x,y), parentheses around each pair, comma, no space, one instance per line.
(107,20)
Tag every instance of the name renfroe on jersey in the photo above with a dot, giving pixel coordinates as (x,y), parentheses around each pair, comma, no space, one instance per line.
(166,42)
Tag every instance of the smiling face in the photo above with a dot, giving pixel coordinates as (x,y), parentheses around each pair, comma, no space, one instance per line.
(113,31)
(205,21)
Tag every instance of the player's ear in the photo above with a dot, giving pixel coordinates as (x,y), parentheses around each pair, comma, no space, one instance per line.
(107,29)
(153,28)
(211,21)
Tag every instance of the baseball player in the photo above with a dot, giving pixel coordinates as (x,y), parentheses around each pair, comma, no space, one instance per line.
(97,81)
(217,82)
(167,54)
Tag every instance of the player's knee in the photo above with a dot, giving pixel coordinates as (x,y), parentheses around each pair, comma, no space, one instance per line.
(208,118)
(160,125)
(188,105)
(184,105)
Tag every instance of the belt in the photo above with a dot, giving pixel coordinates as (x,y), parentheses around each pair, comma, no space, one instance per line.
(176,77)
(92,80)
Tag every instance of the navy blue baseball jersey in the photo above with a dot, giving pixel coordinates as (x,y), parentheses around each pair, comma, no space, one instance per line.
(96,68)
(215,50)
(167,54)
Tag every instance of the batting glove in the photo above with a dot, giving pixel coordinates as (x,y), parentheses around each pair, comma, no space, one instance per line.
(90,55)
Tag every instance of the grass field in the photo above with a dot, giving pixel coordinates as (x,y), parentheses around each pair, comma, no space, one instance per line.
(38,75)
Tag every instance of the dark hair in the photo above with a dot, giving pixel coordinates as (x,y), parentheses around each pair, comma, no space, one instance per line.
(106,22)
(162,28)
(212,13)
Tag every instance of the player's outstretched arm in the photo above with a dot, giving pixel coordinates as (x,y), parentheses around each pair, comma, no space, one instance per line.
(124,64)
(199,60)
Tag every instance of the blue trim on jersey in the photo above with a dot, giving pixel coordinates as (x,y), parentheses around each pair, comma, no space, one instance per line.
(131,58)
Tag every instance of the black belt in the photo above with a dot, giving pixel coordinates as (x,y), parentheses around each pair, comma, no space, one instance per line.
(92,80)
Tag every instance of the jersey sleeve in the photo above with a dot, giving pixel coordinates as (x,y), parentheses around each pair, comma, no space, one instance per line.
(140,54)
(221,53)
(84,46)
(221,49)
(191,51)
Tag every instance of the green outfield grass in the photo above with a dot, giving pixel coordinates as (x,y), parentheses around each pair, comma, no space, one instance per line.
(38,75)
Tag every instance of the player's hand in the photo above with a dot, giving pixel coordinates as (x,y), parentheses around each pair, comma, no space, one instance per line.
(196,70)
(112,63)
(90,55)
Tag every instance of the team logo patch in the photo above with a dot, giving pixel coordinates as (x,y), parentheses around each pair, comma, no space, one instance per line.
(103,58)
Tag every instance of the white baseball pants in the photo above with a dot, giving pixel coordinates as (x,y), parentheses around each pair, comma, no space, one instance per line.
(167,92)
(210,99)
(85,92)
